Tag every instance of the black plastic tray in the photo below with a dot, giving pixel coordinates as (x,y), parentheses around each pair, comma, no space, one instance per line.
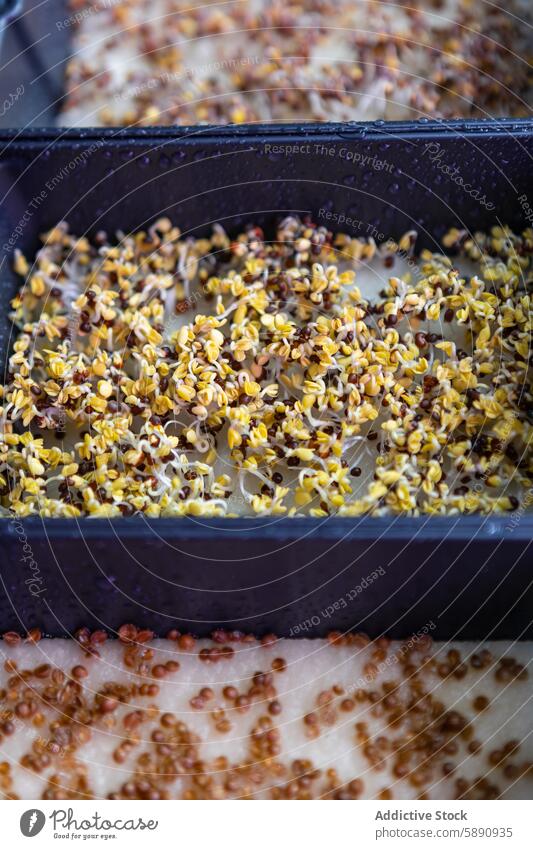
(470,577)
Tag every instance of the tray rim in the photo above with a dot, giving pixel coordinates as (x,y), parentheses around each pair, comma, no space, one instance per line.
(419,529)
(352,130)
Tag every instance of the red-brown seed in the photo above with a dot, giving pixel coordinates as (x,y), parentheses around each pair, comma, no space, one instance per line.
(108,705)
(79,672)
(127,633)
(186,642)
(34,635)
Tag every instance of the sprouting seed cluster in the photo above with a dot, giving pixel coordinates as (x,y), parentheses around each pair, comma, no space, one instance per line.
(168,376)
